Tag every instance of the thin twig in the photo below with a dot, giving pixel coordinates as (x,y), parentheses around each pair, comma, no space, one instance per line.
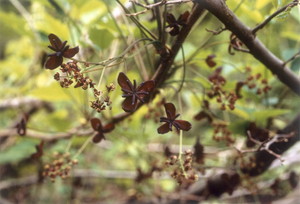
(142,28)
(184,70)
(107,62)
(276,13)
(48,136)
(216,32)
(151,6)
(265,145)
(26,15)
(292,58)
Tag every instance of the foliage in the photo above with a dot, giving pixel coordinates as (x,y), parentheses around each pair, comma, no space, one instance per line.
(219,93)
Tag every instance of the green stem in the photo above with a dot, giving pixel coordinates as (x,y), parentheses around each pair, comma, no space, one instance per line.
(116,23)
(184,69)
(69,145)
(83,147)
(143,29)
(109,61)
(180,142)
(101,77)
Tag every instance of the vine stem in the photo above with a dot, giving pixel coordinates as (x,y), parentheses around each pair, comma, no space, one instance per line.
(69,145)
(180,154)
(180,141)
(83,147)
(180,145)
(101,77)
(110,60)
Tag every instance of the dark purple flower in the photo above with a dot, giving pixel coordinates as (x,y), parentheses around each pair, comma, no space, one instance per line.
(97,126)
(132,93)
(170,120)
(61,49)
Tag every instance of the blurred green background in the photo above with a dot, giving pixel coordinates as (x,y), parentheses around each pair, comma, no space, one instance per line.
(102,31)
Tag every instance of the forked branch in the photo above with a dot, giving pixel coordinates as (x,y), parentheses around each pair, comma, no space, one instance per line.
(256,48)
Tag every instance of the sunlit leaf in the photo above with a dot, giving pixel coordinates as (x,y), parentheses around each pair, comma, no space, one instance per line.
(102,37)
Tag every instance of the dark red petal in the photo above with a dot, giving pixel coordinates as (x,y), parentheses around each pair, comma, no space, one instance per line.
(39,151)
(201,115)
(183,124)
(170,110)
(71,52)
(183,18)
(210,60)
(53,62)
(123,81)
(109,127)
(127,104)
(175,30)
(21,127)
(170,18)
(96,124)
(98,137)
(146,86)
(163,128)
(56,42)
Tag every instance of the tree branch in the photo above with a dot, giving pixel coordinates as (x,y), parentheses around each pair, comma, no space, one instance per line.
(276,13)
(165,62)
(264,159)
(47,136)
(219,9)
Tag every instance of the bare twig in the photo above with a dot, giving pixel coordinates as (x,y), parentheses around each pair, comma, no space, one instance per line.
(276,13)
(151,6)
(48,136)
(265,145)
(292,58)
(22,102)
(241,49)
(216,32)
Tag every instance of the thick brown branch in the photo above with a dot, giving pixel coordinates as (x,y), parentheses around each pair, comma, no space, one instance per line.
(165,64)
(219,9)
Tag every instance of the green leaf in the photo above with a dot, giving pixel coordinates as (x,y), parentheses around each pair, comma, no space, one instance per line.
(260,117)
(11,22)
(23,149)
(102,37)
(53,92)
(263,114)
(87,12)
(239,127)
